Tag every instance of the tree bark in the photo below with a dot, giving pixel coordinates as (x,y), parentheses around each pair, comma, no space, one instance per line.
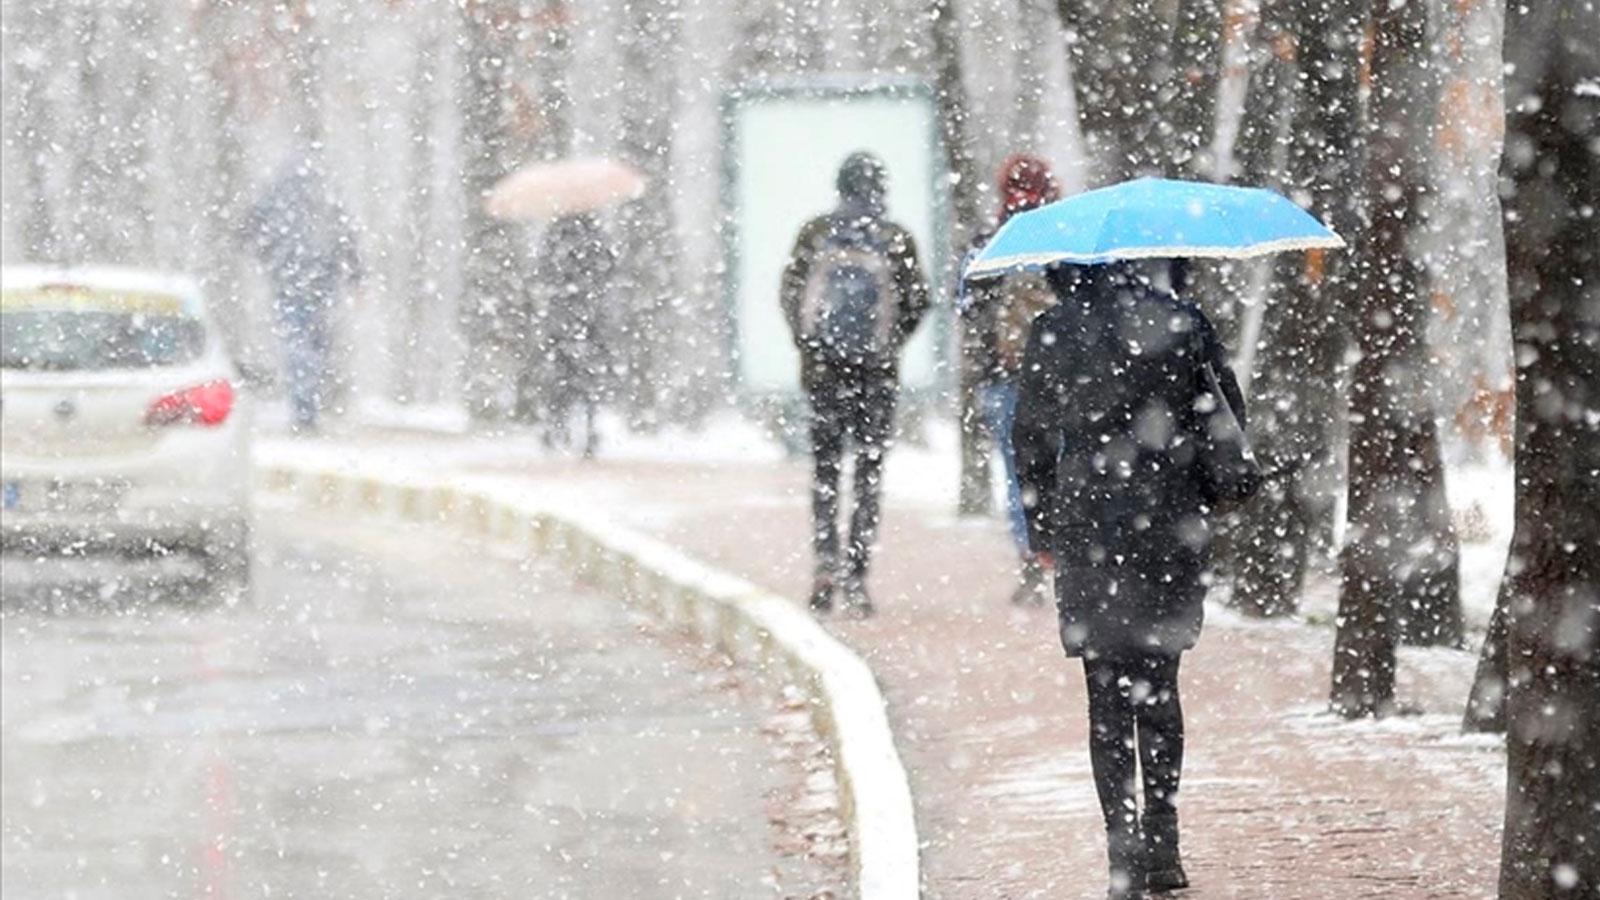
(1551,179)
(648,283)
(1192,89)
(1156,116)
(1027,118)
(1486,705)
(34,27)
(226,189)
(495,267)
(965,186)
(1399,565)
(410,377)
(1295,394)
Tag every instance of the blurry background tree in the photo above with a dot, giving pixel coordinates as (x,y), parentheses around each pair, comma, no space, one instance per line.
(650,36)
(1547,672)
(966,191)
(1312,69)
(1145,76)
(498,254)
(1399,564)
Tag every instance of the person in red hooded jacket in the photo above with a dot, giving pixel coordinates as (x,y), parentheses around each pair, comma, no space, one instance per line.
(1006,307)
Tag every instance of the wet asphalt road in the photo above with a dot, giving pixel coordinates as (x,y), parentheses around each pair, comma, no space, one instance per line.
(390,714)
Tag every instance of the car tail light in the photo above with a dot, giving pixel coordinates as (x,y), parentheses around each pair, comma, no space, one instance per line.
(203,404)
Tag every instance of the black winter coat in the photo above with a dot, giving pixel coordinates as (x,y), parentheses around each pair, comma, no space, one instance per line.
(1105,443)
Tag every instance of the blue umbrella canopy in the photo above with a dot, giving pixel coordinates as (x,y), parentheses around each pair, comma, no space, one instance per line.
(1152,218)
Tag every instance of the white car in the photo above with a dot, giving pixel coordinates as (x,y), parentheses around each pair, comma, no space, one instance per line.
(122,428)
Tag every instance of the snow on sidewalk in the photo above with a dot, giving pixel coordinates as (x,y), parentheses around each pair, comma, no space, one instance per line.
(1280,799)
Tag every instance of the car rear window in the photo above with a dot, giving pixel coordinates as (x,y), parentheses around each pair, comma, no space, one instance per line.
(78,329)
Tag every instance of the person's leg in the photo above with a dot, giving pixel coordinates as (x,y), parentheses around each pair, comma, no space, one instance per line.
(1005,398)
(1111,758)
(299,365)
(1160,725)
(1160,715)
(591,434)
(1032,586)
(873,430)
(321,362)
(827,451)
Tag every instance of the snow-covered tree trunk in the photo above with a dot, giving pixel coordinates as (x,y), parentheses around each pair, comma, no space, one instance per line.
(27,64)
(1295,395)
(420,290)
(1399,565)
(214,28)
(1190,96)
(1033,40)
(552,66)
(1551,174)
(967,199)
(649,38)
(496,263)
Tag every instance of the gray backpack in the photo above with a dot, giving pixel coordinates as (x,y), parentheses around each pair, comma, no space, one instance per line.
(849,294)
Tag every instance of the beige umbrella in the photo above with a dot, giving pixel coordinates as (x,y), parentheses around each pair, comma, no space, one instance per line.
(543,191)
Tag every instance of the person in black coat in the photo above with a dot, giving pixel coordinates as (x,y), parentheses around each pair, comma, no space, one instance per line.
(576,264)
(1109,414)
(852,293)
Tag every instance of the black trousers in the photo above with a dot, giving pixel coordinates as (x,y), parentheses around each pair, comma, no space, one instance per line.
(854,405)
(1134,718)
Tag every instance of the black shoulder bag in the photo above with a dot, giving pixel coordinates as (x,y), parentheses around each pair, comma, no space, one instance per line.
(1226,467)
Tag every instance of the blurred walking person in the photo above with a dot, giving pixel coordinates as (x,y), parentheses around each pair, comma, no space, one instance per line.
(304,239)
(853,293)
(1120,383)
(576,264)
(1005,306)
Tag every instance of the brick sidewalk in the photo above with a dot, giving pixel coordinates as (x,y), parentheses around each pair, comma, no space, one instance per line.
(1280,800)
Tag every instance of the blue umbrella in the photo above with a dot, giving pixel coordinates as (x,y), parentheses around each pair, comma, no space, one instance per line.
(1150,218)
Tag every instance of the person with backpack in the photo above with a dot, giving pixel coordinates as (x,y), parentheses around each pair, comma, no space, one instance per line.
(852,293)
(1129,436)
(1005,307)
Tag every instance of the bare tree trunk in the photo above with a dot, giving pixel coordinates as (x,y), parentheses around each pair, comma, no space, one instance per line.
(1269,97)
(410,374)
(88,237)
(496,260)
(1486,705)
(1196,73)
(1295,394)
(649,37)
(1027,119)
(1552,657)
(1399,565)
(1117,100)
(213,33)
(553,65)
(304,50)
(975,490)
(130,148)
(33,27)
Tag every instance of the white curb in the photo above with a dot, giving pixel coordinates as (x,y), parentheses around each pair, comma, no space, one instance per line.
(753,626)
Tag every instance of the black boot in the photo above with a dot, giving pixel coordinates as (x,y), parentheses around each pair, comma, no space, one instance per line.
(1125,851)
(822,593)
(1164,870)
(857,602)
(1031,586)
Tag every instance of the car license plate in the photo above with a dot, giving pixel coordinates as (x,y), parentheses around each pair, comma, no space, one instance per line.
(64,497)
